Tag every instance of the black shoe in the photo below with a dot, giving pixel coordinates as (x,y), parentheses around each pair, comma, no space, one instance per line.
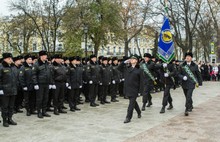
(87,101)
(162,110)
(139,115)
(143,108)
(62,111)
(28,113)
(96,104)
(149,104)
(46,114)
(186,113)
(11,122)
(5,123)
(114,100)
(77,109)
(102,102)
(107,102)
(92,105)
(56,112)
(127,120)
(40,115)
(72,109)
(170,107)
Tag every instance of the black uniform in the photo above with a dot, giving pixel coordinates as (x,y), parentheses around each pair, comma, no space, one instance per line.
(169,82)
(75,80)
(19,96)
(93,77)
(25,78)
(133,85)
(105,81)
(189,85)
(42,78)
(8,84)
(149,84)
(59,78)
(116,75)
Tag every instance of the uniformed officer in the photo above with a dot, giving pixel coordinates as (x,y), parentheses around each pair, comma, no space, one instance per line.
(8,88)
(105,80)
(169,71)
(25,78)
(93,77)
(75,80)
(191,78)
(59,78)
(133,85)
(115,79)
(148,66)
(19,97)
(42,80)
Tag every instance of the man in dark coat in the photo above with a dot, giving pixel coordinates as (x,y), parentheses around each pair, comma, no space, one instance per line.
(105,79)
(133,85)
(191,78)
(59,73)
(25,78)
(75,80)
(19,97)
(42,80)
(93,77)
(8,88)
(169,72)
(149,80)
(115,79)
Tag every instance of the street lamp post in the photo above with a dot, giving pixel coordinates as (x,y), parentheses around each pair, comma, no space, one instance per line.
(86,32)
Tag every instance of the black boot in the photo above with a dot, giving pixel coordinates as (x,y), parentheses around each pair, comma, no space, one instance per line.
(62,111)
(28,113)
(56,111)
(143,107)
(39,114)
(149,104)
(5,122)
(186,112)
(11,122)
(162,109)
(127,120)
(45,114)
(170,107)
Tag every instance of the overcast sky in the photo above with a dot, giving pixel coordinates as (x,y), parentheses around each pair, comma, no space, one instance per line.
(4,10)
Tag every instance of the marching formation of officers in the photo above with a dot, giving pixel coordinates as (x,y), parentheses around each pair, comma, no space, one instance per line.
(39,83)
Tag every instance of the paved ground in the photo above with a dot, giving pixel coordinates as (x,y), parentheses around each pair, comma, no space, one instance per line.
(105,123)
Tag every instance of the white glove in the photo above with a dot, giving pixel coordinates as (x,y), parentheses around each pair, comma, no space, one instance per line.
(1,92)
(69,87)
(100,83)
(25,88)
(53,87)
(139,94)
(166,74)
(36,87)
(67,84)
(90,82)
(127,61)
(109,83)
(123,79)
(164,65)
(50,86)
(80,86)
(185,78)
(113,81)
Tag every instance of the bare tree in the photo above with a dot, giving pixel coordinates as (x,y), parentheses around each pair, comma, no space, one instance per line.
(46,16)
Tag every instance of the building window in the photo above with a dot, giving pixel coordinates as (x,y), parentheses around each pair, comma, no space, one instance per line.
(34,46)
(119,50)
(114,50)
(108,49)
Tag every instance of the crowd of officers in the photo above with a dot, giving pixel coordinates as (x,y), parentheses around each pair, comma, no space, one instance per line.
(39,83)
